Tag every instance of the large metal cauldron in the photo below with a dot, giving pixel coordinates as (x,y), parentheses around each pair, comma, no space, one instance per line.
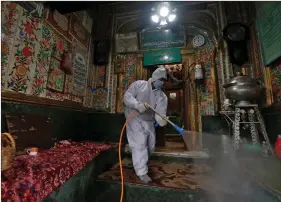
(243,89)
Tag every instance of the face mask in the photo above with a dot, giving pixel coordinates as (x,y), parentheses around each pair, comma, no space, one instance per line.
(158,84)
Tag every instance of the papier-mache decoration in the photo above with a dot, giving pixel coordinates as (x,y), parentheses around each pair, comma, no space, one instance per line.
(66,63)
(198,71)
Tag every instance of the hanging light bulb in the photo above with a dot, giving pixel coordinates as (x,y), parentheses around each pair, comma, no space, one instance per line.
(164,11)
(172,17)
(163,22)
(163,14)
(155,18)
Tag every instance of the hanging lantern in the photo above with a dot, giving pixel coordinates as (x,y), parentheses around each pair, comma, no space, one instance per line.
(198,72)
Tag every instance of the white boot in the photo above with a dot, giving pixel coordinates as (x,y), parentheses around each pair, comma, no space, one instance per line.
(145,178)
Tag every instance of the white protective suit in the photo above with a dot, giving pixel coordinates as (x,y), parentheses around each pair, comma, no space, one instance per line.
(141,129)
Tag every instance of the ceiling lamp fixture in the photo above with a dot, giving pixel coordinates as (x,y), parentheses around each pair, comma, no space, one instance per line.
(163,14)
(155,18)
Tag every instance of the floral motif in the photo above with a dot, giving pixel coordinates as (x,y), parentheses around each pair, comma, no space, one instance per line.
(101,69)
(56,77)
(100,98)
(61,45)
(23,62)
(43,62)
(56,80)
(276,82)
(10,15)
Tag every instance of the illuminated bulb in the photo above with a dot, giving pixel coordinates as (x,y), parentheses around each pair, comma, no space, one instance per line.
(163,22)
(171,17)
(155,18)
(164,11)
(166,57)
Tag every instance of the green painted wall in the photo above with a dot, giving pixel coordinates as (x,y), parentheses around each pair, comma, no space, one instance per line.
(77,125)
(81,187)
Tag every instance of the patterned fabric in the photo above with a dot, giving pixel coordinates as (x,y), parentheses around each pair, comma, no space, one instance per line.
(163,174)
(32,178)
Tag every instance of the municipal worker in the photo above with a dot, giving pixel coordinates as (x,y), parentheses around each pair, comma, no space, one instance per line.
(141,129)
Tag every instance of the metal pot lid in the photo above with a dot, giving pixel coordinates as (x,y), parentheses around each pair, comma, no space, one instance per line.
(242,80)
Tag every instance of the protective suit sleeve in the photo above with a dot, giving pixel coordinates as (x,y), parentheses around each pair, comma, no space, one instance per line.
(130,96)
(161,103)
(160,121)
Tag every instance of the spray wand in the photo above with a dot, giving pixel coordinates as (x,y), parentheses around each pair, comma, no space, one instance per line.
(177,128)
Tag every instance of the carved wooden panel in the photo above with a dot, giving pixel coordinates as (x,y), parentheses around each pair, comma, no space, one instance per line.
(77,30)
(59,22)
(125,43)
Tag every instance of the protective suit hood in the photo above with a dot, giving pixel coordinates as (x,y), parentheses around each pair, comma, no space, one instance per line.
(159,73)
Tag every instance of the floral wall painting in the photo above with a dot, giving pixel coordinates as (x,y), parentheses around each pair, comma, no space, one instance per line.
(119,66)
(10,13)
(22,64)
(276,81)
(100,75)
(56,76)
(60,47)
(100,98)
(56,79)
(42,64)
(32,54)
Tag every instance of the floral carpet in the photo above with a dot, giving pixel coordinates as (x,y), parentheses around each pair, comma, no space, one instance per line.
(163,174)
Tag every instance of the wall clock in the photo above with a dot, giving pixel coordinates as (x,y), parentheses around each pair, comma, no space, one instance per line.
(198,41)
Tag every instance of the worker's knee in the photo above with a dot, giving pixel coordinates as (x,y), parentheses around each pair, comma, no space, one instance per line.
(138,147)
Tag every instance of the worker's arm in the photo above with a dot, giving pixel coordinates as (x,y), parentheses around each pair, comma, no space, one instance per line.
(130,96)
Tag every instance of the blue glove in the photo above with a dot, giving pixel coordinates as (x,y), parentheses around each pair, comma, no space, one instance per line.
(156,124)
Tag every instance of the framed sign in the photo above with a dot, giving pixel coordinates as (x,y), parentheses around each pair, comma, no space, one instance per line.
(164,56)
(269,26)
(158,39)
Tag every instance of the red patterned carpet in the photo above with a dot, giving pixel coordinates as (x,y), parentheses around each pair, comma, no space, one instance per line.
(163,174)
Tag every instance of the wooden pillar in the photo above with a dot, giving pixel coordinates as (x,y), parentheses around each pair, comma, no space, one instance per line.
(191,108)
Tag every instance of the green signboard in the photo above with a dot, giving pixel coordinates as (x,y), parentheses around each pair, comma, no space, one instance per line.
(164,56)
(159,39)
(269,30)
